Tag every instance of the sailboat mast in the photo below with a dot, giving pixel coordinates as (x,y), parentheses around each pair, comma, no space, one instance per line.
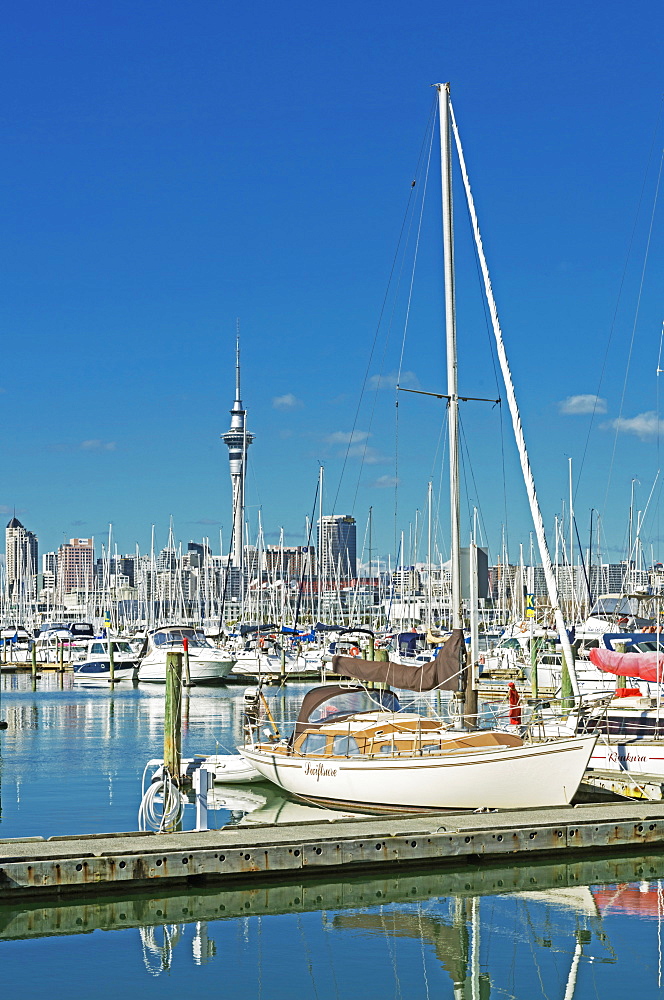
(450,334)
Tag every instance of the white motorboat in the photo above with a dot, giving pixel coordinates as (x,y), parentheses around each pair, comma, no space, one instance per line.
(91,661)
(207,663)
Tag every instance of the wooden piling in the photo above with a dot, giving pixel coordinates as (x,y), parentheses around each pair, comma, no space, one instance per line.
(111,661)
(187,671)
(173,715)
(534,651)
(33,657)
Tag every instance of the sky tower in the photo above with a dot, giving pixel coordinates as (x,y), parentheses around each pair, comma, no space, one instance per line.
(237,439)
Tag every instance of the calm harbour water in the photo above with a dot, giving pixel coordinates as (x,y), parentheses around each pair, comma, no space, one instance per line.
(71,761)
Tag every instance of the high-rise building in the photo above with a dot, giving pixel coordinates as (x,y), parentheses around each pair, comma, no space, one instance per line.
(337,547)
(21,552)
(76,565)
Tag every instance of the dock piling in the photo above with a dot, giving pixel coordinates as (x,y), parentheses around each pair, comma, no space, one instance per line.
(187,671)
(173,715)
(111,661)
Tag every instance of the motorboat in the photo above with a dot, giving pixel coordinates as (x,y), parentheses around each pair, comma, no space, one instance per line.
(207,663)
(62,640)
(352,746)
(92,665)
(16,642)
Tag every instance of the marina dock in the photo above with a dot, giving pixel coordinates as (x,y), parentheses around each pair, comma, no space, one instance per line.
(36,868)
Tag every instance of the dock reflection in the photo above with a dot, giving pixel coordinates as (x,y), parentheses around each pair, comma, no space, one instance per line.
(586,887)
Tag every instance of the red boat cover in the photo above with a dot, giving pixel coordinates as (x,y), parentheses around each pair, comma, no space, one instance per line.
(645,666)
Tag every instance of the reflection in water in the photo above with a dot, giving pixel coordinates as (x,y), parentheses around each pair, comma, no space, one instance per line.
(473,927)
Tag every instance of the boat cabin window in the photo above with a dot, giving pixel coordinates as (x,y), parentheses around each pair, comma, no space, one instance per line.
(352,702)
(345,746)
(650,646)
(81,628)
(313,743)
(97,647)
(615,606)
(174,636)
(509,644)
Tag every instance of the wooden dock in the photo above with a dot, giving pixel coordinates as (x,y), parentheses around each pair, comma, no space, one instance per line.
(60,865)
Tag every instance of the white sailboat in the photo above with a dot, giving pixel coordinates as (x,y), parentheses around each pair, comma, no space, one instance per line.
(355,747)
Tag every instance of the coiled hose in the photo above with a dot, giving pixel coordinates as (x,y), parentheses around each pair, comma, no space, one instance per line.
(162,804)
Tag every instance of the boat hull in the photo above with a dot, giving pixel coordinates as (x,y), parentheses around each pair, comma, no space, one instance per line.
(206,669)
(536,774)
(99,671)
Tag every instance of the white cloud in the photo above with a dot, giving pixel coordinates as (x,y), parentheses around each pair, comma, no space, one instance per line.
(389,380)
(94,444)
(644,425)
(384,483)
(369,455)
(347,437)
(585,403)
(287,402)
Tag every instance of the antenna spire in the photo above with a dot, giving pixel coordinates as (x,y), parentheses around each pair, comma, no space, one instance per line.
(237,362)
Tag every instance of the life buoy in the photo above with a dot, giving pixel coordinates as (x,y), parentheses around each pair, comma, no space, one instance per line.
(261,642)
(514,700)
(354,651)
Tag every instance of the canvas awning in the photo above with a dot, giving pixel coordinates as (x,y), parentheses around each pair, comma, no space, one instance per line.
(443,673)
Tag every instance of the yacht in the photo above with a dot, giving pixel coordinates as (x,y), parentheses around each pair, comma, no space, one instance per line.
(207,663)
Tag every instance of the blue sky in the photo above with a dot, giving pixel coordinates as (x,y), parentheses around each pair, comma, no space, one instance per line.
(169,168)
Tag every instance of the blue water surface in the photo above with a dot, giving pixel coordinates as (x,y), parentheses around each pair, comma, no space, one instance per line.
(71,762)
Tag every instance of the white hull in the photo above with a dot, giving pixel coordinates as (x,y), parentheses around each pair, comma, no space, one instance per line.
(206,668)
(231,768)
(83,674)
(539,774)
(258,665)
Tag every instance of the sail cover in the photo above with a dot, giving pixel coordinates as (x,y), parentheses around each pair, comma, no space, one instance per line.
(645,666)
(443,673)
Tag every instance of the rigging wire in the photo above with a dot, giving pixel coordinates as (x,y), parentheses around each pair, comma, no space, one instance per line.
(619,295)
(617,423)
(407,214)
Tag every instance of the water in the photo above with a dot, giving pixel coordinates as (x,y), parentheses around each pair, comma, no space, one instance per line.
(71,762)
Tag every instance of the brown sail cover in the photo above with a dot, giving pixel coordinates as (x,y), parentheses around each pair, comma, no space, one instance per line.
(443,673)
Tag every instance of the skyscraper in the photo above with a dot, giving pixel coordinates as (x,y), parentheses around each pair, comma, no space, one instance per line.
(337,547)
(237,440)
(21,551)
(75,565)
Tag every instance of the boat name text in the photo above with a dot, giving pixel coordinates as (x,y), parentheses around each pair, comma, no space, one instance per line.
(319,770)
